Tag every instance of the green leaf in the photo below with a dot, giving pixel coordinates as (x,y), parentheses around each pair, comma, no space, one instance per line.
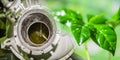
(116,16)
(105,37)
(115,20)
(119,13)
(64,15)
(5,29)
(8,25)
(2,28)
(85,34)
(89,16)
(6,32)
(79,31)
(76,31)
(3,38)
(2,24)
(98,19)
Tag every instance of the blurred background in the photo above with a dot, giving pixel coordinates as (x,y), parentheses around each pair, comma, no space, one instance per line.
(109,7)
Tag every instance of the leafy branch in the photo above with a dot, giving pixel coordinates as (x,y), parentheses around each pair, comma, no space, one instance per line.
(98,28)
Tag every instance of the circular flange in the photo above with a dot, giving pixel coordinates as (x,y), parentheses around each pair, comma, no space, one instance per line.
(26,25)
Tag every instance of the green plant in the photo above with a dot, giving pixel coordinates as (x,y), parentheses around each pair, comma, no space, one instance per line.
(97,27)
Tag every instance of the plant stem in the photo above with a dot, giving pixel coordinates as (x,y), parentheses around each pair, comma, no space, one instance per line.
(87,53)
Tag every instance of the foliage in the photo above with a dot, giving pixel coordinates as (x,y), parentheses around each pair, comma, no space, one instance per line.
(4,26)
(98,28)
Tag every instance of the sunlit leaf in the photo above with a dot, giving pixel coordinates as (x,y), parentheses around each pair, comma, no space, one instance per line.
(105,37)
(76,21)
(64,15)
(76,30)
(85,34)
(115,19)
(116,16)
(89,16)
(98,19)
(96,28)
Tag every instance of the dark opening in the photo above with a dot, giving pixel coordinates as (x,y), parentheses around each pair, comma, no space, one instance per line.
(38,33)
